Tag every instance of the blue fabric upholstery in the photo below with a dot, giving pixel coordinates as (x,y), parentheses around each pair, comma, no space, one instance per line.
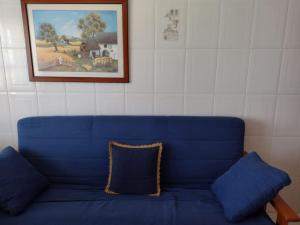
(20,183)
(134,169)
(82,205)
(247,186)
(73,150)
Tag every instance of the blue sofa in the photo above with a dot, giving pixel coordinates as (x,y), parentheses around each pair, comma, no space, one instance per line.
(73,153)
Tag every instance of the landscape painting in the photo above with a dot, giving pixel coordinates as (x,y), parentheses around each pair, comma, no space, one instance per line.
(79,40)
(76,41)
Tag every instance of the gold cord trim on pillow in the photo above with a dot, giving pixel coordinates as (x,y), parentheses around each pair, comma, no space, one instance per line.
(142,147)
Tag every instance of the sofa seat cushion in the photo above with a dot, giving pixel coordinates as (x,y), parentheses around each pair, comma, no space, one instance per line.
(78,205)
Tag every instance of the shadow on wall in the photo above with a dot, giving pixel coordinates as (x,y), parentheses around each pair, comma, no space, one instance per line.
(258,127)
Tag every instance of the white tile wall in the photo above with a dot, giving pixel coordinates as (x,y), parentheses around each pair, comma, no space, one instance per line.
(142,69)
(110,103)
(200,71)
(109,88)
(11,24)
(6,138)
(198,104)
(141,20)
(4,114)
(16,70)
(292,36)
(2,73)
(259,114)
(232,71)
(261,145)
(229,105)
(171,104)
(290,79)
(139,104)
(52,103)
(22,104)
(80,87)
(236,21)
(50,87)
(287,121)
(234,57)
(203,15)
(264,69)
(169,71)
(269,23)
(79,103)
(289,161)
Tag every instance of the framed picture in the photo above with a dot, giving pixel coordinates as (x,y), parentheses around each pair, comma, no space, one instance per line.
(77,40)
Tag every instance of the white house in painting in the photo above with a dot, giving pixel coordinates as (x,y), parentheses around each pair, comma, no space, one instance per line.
(105,44)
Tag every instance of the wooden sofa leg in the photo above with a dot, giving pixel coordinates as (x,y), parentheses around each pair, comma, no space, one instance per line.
(285,213)
(281,220)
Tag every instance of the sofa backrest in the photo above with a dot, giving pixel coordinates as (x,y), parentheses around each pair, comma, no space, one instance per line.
(74,149)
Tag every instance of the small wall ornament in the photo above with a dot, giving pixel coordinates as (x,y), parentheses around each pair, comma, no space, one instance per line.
(171,32)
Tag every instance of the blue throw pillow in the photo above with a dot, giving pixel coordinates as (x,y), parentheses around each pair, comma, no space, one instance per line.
(20,183)
(247,186)
(134,169)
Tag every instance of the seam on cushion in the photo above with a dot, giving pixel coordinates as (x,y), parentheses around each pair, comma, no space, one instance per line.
(133,138)
(110,199)
(53,137)
(62,158)
(114,199)
(207,179)
(172,139)
(203,159)
(105,159)
(70,176)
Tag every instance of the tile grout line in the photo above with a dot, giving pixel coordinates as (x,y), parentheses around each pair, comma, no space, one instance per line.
(282,57)
(285,29)
(217,62)
(185,75)
(154,110)
(7,94)
(95,99)
(250,54)
(66,97)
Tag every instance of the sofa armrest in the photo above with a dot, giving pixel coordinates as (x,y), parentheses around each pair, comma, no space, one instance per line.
(285,213)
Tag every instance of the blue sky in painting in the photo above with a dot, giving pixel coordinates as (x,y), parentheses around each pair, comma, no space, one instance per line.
(65,21)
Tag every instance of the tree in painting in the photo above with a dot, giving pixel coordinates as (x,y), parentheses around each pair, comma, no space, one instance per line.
(90,25)
(48,33)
